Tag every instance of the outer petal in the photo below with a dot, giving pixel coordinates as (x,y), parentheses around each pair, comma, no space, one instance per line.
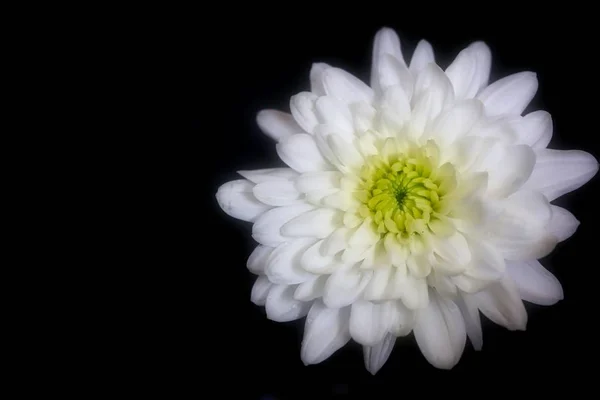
(236,199)
(509,95)
(346,87)
(344,286)
(318,223)
(535,283)
(260,290)
(470,314)
(376,356)
(277,124)
(316,78)
(386,42)
(563,223)
(283,264)
(277,193)
(440,332)
(422,56)
(268,174)
(302,106)
(502,304)
(558,172)
(301,153)
(369,322)
(326,330)
(281,305)
(470,71)
(267,228)
(257,261)
(534,129)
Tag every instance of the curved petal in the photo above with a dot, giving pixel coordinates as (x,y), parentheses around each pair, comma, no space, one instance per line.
(376,356)
(277,193)
(403,319)
(454,123)
(311,289)
(302,106)
(558,172)
(277,124)
(325,331)
(509,95)
(269,174)
(440,332)
(535,283)
(470,314)
(336,115)
(422,56)
(563,223)
(315,261)
(237,200)
(318,223)
(267,228)
(260,290)
(301,153)
(512,171)
(257,261)
(346,87)
(283,265)
(345,285)
(369,322)
(534,129)
(316,78)
(502,303)
(281,305)
(470,71)
(393,72)
(386,42)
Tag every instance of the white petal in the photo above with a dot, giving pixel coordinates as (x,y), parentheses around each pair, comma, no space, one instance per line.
(363,115)
(345,152)
(395,107)
(563,223)
(509,95)
(453,249)
(315,261)
(440,332)
(266,228)
(411,290)
(422,56)
(470,314)
(318,181)
(558,172)
(318,223)
(403,320)
(336,242)
(277,193)
(346,87)
(316,78)
(301,153)
(455,123)
(311,289)
(257,261)
(487,263)
(277,124)
(502,303)
(376,289)
(535,129)
(302,106)
(515,167)
(345,285)
(535,283)
(393,72)
(433,79)
(281,305)
(519,230)
(236,200)
(336,115)
(269,174)
(260,290)
(376,356)
(326,330)
(470,71)
(386,42)
(369,322)
(283,265)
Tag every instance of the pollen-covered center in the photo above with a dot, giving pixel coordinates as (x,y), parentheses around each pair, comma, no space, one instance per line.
(403,189)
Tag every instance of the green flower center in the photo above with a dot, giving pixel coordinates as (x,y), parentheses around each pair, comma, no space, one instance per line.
(403,189)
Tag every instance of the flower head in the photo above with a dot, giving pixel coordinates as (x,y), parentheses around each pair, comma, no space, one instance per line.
(409,205)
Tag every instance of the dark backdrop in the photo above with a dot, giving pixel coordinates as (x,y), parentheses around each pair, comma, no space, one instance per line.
(234,68)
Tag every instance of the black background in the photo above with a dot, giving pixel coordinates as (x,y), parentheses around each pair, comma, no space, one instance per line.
(239,66)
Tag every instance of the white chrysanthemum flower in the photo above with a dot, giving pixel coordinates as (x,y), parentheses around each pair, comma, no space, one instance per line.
(409,205)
